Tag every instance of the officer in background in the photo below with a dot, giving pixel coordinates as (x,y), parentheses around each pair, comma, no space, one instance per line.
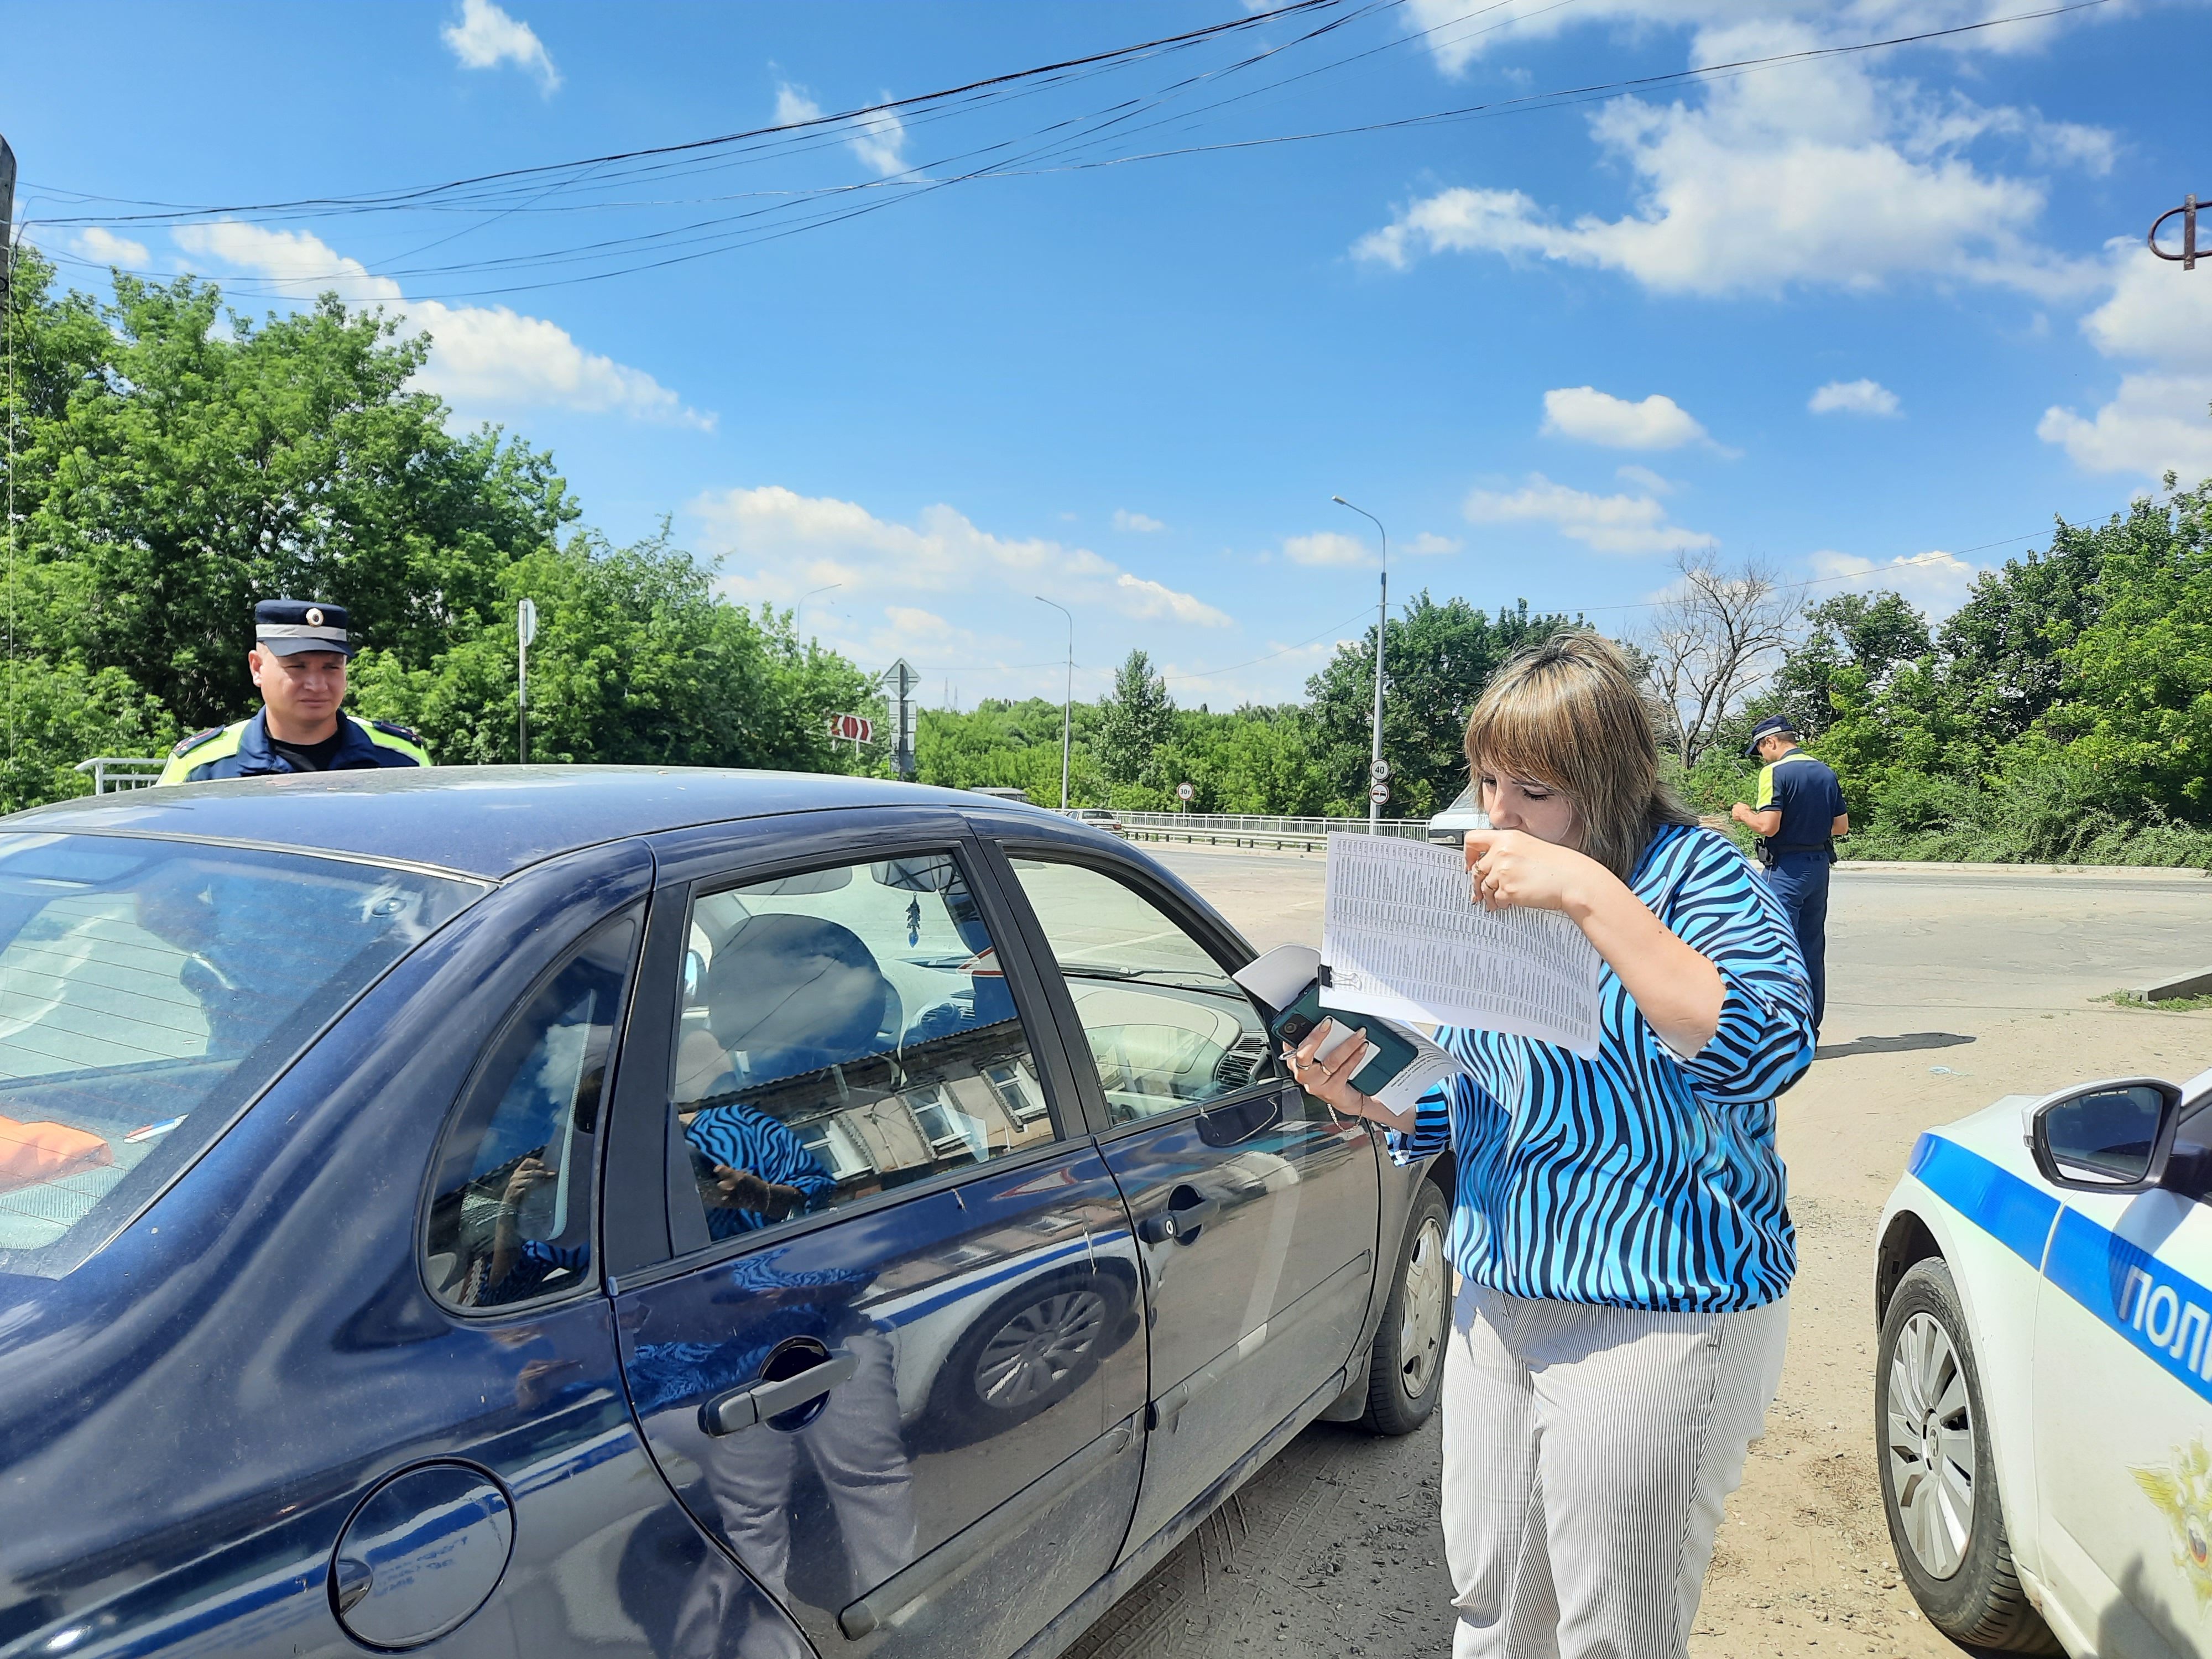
(298,661)
(1799,816)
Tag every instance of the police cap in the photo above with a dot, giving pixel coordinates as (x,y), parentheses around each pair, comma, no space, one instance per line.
(1774,725)
(289,627)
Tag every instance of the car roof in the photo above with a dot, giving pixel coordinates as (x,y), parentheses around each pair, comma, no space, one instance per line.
(488,821)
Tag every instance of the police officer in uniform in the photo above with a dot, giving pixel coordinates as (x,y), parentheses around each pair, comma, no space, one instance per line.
(298,661)
(1799,816)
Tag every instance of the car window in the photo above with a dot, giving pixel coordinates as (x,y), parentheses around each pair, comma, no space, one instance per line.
(511,1209)
(149,990)
(1167,1027)
(841,1032)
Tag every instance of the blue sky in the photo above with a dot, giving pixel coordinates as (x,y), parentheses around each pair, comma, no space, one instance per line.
(1830,313)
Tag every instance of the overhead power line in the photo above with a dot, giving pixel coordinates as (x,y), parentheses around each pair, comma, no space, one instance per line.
(1070,143)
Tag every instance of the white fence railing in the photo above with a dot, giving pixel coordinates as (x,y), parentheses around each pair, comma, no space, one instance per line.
(1256,829)
(111,773)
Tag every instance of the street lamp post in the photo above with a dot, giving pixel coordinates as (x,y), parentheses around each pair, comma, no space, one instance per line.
(1381,621)
(1067,708)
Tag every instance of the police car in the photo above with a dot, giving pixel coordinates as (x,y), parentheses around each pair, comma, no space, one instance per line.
(2043,1390)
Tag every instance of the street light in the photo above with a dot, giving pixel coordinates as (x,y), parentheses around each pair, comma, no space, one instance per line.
(1381,619)
(1067,708)
(799,610)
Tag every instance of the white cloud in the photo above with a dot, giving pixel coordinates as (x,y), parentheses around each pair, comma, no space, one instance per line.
(785,542)
(1429,542)
(105,247)
(487,37)
(1645,479)
(1327,547)
(1139,523)
(1456,33)
(880,139)
(1598,417)
(2161,416)
(1853,397)
(1605,524)
(1937,582)
(1821,175)
(480,356)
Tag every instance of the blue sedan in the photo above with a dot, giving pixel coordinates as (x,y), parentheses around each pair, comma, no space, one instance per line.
(616,1212)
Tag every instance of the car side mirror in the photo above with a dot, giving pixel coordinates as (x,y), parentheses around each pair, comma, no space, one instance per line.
(2110,1137)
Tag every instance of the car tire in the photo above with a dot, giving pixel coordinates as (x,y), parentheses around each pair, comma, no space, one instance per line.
(1032,1349)
(1939,1487)
(1406,1372)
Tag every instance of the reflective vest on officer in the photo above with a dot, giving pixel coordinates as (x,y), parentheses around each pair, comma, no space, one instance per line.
(243,750)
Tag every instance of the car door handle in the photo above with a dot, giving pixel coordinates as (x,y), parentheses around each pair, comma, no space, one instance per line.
(757,1402)
(1180,1222)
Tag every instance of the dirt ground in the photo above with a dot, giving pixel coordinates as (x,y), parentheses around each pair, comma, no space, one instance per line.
(1946,990)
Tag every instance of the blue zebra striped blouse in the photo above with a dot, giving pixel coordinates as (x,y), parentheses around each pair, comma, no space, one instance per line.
(1638,1179)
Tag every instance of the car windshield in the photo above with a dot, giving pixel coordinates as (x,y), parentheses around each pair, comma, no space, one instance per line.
(149,990)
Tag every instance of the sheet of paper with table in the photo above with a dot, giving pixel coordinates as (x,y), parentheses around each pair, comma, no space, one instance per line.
(1400,940)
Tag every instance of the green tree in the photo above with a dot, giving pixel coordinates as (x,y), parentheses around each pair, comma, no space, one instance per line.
(636,661)
(1138,718)
(175,463)
(2134,702)
(1873,633)
(1440,658)
(52,717)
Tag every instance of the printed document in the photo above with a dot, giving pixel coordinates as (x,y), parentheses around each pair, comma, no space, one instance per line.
(1401,939)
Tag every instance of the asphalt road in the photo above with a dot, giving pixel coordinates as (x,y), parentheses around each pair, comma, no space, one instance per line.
(1946,990)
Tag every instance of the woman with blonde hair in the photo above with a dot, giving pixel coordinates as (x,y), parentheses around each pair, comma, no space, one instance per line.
(1622,1243)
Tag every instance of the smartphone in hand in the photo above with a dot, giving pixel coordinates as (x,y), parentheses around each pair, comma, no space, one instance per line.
(1387,1053)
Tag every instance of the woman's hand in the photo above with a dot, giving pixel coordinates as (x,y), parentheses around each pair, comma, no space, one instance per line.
(1507,867)
(1330,1080)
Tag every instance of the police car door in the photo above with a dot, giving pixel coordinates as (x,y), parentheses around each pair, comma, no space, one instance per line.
(885,1345)
(2122,1405)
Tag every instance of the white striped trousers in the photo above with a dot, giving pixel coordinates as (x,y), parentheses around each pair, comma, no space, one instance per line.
(1588,1452)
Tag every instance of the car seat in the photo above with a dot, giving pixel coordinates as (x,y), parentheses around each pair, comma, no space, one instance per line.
(795,994)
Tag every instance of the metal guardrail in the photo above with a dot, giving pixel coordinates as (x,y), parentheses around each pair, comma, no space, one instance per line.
(111,773)
(1254,829)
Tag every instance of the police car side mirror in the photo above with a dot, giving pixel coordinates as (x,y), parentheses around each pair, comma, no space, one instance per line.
(2109,1137)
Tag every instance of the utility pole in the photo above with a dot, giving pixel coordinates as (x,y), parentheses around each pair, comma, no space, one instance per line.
(2186,212)
(7,218)
(1067,709)
(1377,771)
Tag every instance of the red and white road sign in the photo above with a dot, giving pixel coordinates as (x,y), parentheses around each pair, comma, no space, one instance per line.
(852,728)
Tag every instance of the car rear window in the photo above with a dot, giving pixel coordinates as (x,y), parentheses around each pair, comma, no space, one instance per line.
(149,989)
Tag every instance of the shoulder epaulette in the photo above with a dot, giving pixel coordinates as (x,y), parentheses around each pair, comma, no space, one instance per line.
(196,740)
(400,731)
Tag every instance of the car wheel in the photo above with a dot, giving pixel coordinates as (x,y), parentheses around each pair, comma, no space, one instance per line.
(1032,1349)
(1939,1484)
(1407,1371)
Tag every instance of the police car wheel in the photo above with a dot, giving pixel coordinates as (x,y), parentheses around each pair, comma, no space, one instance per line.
(1407,1373)
(1939,1486)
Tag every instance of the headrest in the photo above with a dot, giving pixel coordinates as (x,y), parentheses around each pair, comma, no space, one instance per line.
(794,993)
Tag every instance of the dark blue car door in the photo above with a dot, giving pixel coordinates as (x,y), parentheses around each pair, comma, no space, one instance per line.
(880,1319)
(1254,1206)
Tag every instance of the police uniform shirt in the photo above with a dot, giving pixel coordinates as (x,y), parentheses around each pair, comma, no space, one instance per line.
(1809,797)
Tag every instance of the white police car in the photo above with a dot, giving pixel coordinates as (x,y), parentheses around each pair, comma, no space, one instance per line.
(2043,1390)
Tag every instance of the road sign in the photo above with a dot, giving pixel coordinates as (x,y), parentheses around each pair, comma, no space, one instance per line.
(1379,793)
(1378,770)
(904,684)
(852,728)
(1184,792)
(526,620)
